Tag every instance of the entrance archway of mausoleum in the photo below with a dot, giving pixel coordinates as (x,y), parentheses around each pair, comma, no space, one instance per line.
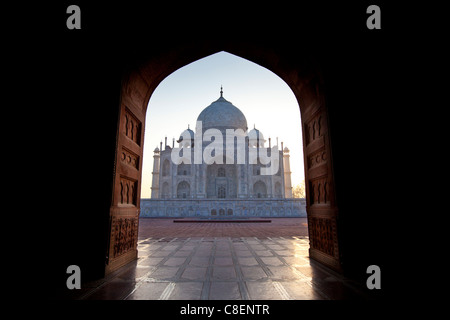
(306,82)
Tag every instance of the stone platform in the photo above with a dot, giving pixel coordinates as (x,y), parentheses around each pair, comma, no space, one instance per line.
(223,208)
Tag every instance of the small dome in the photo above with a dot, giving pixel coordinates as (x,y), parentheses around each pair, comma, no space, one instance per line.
(156,150)
(255,136)
(188,137)
(222,114)
(286,150)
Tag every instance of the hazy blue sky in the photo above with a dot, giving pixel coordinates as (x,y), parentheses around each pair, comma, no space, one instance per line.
(264,98)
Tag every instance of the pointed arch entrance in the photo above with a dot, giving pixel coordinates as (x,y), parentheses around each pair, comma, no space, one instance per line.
(306,82)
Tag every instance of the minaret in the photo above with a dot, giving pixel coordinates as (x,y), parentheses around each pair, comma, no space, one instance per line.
(155,174)
(287,174)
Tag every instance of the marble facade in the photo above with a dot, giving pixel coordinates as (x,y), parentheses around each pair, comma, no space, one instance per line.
(243,178)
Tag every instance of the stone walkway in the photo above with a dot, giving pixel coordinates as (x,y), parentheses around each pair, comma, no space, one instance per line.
(278,227)
(222,267)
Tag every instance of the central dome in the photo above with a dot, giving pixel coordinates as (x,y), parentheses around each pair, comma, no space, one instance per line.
(222,114)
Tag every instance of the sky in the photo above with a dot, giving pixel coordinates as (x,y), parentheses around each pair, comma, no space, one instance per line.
(265,99)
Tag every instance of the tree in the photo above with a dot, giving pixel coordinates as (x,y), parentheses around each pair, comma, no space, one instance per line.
(299,191)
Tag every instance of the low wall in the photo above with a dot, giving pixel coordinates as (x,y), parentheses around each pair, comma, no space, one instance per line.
(225,208)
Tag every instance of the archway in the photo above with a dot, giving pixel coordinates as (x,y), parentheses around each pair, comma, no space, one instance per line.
(305,81)
(259,189)
(183,190)
(278,192)
(221,192)
(165,190)
(166,168)
(221,181)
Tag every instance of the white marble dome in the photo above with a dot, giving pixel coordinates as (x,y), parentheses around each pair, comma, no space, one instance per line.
(255,138)
(222,114)
(186,138)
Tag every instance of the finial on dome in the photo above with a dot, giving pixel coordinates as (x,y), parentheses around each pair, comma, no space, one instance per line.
(221,91)
(188,126)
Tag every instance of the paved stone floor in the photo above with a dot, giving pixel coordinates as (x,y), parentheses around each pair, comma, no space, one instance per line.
(158,228)
(203,261)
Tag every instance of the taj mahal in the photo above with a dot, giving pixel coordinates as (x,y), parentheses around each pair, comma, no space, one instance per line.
(222,170)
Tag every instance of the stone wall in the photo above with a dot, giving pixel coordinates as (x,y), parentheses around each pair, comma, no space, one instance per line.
(216,208)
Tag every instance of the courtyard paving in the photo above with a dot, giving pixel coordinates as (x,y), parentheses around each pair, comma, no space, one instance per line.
(224,261)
